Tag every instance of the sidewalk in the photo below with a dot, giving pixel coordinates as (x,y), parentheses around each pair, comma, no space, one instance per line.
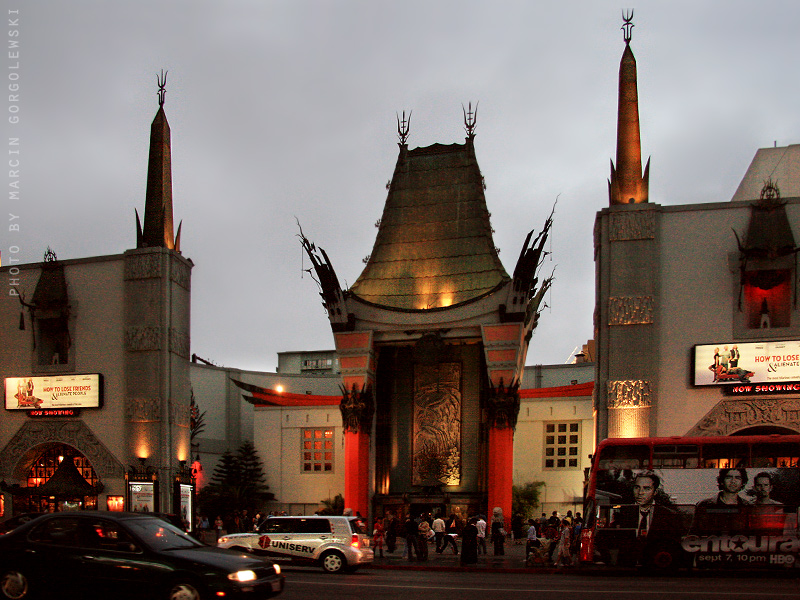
(512,560)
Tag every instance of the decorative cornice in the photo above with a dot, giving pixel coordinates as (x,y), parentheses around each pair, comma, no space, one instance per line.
(143,410)
(140,339)
(357,408)
(179,342)
(630,310)
(731,416)
(502,405)
(633,393)
(17,455)
(143,266)
(181,273)
(632,225)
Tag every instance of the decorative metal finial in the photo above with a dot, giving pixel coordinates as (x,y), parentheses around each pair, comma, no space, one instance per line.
(626,28)
(162,85)
(470,119)
(402,127)
(770,193)
(49,255)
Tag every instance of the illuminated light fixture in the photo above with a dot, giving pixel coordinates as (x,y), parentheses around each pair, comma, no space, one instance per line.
(279,388)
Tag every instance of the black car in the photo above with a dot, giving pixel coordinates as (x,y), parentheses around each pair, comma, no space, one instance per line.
(11,523)
(108,554)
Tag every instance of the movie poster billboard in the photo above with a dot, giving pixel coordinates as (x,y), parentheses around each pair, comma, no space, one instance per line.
(705,518)
(142,496)
(775,363)
(186,505)
(53,392)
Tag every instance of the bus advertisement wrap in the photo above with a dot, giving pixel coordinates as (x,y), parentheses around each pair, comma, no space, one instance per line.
(759,362)
(718,517)
(712,502)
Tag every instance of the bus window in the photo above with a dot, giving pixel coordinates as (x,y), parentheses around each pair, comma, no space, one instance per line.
(676,456)
(725,456)
(624,457)
(775,455)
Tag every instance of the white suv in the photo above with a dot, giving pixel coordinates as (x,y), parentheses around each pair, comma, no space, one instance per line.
(335,543)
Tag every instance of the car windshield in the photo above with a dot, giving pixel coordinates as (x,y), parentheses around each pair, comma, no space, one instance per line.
(160,535)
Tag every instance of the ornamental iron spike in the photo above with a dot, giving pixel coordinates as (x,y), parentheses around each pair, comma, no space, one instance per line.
(162,86)
(470,119)
(627,17)
(403,126)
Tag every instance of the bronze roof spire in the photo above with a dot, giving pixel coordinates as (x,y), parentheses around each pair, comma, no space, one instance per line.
(158,223)
(627,185)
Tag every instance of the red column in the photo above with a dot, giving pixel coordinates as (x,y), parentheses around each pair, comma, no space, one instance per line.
(356,472)
(501,470)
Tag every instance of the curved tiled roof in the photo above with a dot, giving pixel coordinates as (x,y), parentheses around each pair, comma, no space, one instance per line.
(434,246)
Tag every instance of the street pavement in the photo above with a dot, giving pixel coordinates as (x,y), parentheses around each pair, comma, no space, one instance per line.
(513,559)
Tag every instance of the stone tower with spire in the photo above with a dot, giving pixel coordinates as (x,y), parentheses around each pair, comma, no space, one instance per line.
(157,302)
(627,250)
(627,185)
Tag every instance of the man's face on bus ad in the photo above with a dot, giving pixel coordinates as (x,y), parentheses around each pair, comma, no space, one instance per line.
(733,482)
(644,490)
(763,487)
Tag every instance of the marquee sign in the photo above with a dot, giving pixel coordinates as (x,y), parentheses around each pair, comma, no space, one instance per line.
(57,392)
(774,363)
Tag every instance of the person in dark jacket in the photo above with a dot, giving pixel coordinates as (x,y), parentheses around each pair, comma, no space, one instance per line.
(412,537)
(469,543)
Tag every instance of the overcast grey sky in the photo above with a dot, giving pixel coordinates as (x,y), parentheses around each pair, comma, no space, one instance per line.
(284,109)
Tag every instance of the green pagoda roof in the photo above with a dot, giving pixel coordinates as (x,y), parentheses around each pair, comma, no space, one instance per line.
(434,247)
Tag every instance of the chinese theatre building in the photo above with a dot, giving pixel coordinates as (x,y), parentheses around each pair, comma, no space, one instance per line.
(431,340)
(697,318)
(96,373)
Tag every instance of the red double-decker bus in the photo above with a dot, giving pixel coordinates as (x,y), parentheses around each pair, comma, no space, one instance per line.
(699,502)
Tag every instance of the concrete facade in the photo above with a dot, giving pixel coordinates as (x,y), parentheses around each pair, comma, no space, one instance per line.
(128,321)
(670,278)
(550,395)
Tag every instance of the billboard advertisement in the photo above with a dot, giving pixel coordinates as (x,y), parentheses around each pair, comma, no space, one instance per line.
(774,363)
(54,392)
(728,517)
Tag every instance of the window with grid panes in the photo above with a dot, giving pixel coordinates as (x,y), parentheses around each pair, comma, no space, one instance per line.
(562,445)
(317,450)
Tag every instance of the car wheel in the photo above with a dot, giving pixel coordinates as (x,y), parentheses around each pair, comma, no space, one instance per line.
(664,558)
(14,585)
(183,590)
(333,562)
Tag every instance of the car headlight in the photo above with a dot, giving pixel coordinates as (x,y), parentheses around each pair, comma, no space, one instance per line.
(242,576)
(222,540)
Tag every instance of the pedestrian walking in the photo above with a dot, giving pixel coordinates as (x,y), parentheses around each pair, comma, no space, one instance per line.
(412,534)
(438,532)
(377,538)
(498,531)
(563,552)
(469,543)
(424,530)
(390,526)
(451,534)
(481,526)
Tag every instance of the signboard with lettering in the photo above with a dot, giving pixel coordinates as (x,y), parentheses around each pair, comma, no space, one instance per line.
(54,392)
(186,505)
(737,364)
(142,496)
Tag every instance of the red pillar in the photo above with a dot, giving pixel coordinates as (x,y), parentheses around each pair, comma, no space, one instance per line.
(501,470)
(356,472)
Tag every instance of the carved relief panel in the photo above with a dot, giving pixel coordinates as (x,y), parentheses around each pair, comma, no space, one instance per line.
(436,445)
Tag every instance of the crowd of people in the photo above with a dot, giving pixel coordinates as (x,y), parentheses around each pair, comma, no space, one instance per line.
(237,521)
(469,537)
